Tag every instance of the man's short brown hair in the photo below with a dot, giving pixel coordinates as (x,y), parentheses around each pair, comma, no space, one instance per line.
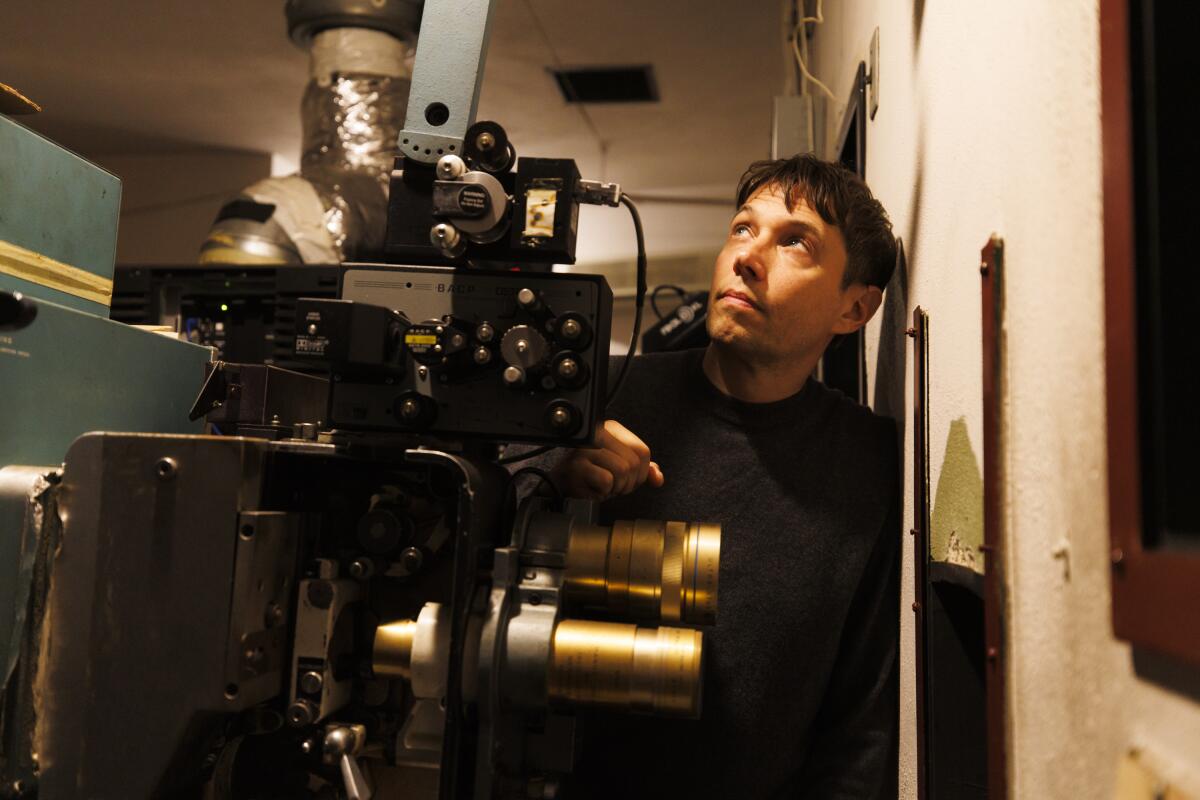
(841,199)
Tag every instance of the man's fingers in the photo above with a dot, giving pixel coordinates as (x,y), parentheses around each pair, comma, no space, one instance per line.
(655,476)
(631,448)
(597,480)
(616,464)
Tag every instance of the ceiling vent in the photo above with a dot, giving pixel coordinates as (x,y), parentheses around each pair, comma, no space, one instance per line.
(608,84)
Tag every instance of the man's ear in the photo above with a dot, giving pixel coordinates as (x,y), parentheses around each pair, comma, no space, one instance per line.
(861,303)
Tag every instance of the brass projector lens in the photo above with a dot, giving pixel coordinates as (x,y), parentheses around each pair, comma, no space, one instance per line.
(646,569)
(624,667)
(392,654)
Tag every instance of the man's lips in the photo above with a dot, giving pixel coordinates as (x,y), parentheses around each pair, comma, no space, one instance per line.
(737,298)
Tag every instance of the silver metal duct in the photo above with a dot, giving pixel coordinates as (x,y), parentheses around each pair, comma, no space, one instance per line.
(352,112)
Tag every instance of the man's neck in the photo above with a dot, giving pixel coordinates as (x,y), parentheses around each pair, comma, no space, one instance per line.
(755,382)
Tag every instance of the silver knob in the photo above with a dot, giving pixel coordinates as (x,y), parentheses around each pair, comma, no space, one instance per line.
(446,238)
(526,297)
(311,682)
(450,167)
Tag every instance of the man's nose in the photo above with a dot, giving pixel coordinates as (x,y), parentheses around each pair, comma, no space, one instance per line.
(748,263)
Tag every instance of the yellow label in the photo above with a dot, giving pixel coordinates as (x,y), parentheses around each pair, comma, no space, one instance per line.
(37,268)
(420,338)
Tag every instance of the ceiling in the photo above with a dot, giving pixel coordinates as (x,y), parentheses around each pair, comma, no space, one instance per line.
(163,76)
(141,76)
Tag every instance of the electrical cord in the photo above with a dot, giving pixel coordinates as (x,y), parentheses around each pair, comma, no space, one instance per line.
(679,290)
(796,37)
(639,300)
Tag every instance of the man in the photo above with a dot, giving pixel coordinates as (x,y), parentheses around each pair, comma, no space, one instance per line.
(800,695)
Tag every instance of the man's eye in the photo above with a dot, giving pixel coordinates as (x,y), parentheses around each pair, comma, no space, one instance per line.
(796,241)
(740,229)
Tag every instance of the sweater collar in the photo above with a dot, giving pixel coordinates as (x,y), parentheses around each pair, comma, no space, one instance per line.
(789,410)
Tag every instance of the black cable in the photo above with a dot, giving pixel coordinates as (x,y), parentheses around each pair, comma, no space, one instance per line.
(640,299)
(679,290)
(542,476)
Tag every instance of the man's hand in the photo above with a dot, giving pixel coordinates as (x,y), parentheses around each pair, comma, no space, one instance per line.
(619,464)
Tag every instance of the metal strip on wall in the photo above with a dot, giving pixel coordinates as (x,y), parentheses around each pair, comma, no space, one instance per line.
(44,271)
(920,531)
(991,269)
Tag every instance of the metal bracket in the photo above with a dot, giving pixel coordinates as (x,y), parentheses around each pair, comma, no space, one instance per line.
(448,68)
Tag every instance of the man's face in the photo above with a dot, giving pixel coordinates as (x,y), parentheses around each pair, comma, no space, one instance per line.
(777,286)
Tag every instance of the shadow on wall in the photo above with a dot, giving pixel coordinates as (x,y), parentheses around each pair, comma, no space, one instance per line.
(1175,676)
(956,523)
(892,359)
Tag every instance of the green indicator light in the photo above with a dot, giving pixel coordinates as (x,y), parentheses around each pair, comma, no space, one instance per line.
(224,307)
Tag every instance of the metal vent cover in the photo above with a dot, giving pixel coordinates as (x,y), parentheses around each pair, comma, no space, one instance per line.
(619,84)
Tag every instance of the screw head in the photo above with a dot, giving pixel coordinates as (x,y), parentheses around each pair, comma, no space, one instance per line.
(485,141)
(526,297)
(301,713)
(361,568)
(514,376)
(457,340)
(166,468)
(275,615)
(312,329)
(412,559)
(482,355)
(560,417)
(571,329)
(410,408)
(568,368)
(485,332)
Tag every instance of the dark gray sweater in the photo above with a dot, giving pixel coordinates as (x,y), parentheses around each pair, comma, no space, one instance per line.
(800,691)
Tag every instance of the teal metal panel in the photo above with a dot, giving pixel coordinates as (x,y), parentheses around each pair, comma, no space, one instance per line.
(70,372)
(58,204)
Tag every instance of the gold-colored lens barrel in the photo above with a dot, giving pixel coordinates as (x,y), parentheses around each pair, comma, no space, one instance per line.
(618,666)
(646,569)
(391,656)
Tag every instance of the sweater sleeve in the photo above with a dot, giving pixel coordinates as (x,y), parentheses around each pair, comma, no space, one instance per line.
(854,741)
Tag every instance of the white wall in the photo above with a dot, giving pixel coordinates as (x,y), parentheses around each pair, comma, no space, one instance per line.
(989,122)
(169,200)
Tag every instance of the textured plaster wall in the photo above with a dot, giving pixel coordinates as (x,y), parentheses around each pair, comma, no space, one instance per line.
(989,122)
